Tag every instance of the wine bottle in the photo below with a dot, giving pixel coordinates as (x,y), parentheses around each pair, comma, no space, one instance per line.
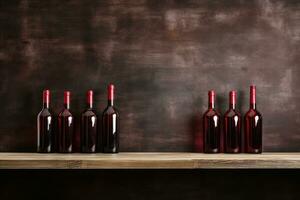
(44,126)
(65,126)
(110,125)
(88,132)
(211,126)
(232,127)
(253,126)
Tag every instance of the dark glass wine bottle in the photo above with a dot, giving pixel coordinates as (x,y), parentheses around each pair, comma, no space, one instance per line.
(110,125)
(232,127)
(65,126)
(44,126)
(88,132)
(253,126)
(211,126)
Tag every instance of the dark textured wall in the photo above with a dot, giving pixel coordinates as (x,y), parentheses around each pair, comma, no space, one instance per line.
(163,56)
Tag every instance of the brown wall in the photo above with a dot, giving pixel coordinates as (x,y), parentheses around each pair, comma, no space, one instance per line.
(163,56)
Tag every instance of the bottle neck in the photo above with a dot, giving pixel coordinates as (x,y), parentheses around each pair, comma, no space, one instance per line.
(89,105)
(89,99)
(46,98)
(211,99)
(252,97)
(232,99)
(67,95)
(110,94)
(110,102)
(46,105)
(67,106)
(232,106)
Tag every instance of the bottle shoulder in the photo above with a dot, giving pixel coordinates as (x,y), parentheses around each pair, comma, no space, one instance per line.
(253,113)
(45,112)
(65,113)
(89,112)
(211,113)
(232,113)
(110,110)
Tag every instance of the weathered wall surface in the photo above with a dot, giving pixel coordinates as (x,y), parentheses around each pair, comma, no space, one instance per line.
(163,56)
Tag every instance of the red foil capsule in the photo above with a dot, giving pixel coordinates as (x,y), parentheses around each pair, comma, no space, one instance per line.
(110,92)
(211,98)
(252,94)
(89,98)
(46,97)
(67,95)
(232,98)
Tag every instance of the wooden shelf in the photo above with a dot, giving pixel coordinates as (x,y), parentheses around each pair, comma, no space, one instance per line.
(149,161)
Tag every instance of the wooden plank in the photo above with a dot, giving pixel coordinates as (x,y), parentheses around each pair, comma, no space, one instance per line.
(149,161)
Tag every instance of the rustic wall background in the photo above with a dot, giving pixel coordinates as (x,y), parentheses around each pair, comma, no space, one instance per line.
(163,56)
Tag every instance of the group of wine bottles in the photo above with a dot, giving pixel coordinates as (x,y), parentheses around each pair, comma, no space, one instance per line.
(232,127)
(92,139)
(106,140)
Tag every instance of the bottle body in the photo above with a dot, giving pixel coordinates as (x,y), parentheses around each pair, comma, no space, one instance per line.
(211,132)
(253,126)
(232,132)
(65,127)
(110,125)
(232,127)
(253,132)
(45,132)
(45,127)
(211,127)
(65,131)
(110,133)
(88,133)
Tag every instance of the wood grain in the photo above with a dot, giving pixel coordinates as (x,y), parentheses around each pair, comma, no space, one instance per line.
(149,161)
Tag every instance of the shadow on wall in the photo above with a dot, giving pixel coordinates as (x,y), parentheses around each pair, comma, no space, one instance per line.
(197,130)
(196,125)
